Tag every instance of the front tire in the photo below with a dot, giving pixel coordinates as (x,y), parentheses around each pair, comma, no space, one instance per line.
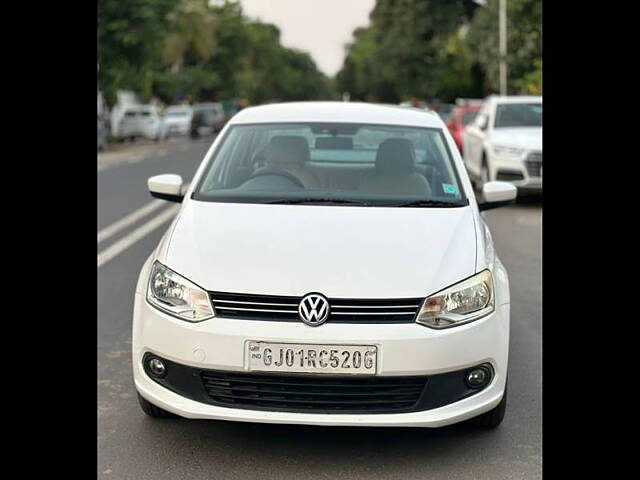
(494,417)
(151,410)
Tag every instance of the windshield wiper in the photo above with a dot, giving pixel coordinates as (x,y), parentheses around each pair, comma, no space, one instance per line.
(314,201)
(426,203)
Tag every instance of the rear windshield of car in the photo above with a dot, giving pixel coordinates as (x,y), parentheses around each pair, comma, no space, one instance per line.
(518,115)
(332,163)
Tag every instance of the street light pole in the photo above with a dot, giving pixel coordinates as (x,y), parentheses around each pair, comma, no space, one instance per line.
(503,47)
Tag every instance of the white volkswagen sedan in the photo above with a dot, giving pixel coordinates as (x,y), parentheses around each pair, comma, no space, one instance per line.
(504,142)
(329,265)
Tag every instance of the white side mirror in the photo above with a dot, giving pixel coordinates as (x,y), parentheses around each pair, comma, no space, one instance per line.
(482,122)
(167,187)
(497,194)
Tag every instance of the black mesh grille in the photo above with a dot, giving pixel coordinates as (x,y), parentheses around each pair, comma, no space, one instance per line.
(509,175)
(534,164)
(316,393)
(285,309)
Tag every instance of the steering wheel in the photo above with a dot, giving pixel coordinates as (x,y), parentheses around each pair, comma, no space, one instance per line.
(292,178)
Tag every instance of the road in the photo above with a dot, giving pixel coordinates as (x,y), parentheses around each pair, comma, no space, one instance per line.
(132,446)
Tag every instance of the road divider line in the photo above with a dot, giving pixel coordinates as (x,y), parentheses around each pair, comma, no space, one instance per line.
(129,219)
(139,233)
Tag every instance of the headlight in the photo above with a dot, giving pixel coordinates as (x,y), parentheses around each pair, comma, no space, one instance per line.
(512,151)
(177,296)
(461,303)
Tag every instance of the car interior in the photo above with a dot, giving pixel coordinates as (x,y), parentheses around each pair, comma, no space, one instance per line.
(287,163)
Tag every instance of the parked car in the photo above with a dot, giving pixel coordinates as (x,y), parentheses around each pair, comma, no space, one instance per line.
(207,119)
(103,123)
(142,121)
(458,119)
(504,142)
(177,119)
(102,134)
(415,103)
(442,109)
(329,265)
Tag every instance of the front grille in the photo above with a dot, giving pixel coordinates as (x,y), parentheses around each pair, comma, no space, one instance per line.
(509,176)
(318,393)
(343,310)
(534,164)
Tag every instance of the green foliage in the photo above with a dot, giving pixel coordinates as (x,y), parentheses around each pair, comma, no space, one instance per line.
(524,42)
(441,49)
(531,83)
(175,48)
(129,35)
(412,48)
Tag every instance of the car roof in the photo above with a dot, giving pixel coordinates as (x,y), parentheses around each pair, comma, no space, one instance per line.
(140,108)
(207,105)
(516,99)
(338,112)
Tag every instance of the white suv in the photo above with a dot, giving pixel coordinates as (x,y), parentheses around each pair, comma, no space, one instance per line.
(329,266)
(504,143)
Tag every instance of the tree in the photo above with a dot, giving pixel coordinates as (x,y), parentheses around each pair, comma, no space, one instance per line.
(524,42)
(191,35)
(129,36)
(409,49)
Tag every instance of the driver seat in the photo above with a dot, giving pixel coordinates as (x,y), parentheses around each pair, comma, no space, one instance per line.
(290,154)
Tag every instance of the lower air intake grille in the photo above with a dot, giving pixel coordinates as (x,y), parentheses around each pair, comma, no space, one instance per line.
(534,164)
(302,393)
(285,309)
(509,176)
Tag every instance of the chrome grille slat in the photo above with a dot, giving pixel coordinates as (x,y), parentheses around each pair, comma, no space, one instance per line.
(259,303)
(343,310)
(373,313)
(256,310)
(372,306)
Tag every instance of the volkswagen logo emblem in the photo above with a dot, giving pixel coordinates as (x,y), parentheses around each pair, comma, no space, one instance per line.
(313,309)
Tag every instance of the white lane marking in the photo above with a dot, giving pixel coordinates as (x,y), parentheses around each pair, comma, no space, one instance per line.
(139,233)
(129,219)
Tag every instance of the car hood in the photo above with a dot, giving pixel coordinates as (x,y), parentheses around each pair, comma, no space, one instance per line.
(348,252)
(529,137)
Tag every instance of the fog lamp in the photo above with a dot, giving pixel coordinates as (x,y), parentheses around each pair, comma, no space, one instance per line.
(157,367)
(478,377)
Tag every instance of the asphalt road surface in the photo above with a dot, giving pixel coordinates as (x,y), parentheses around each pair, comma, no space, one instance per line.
(133,446)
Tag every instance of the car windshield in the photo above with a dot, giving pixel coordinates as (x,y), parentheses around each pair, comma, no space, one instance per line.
(467,117)
(177,113)
(332,164)
(518,115)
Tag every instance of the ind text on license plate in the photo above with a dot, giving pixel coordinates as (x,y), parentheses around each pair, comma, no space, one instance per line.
(288,357)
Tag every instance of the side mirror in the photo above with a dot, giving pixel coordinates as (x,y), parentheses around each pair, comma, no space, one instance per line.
(482,122)
(497,194)
(166,187)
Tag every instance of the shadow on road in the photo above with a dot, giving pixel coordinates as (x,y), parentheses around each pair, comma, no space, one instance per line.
(349,447)
(530,201)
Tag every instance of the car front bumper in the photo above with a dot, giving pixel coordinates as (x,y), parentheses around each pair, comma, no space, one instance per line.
(403,350)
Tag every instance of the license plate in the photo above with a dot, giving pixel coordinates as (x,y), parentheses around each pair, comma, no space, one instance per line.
(304,358)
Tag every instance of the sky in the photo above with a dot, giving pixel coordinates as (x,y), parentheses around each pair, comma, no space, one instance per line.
(320,27)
